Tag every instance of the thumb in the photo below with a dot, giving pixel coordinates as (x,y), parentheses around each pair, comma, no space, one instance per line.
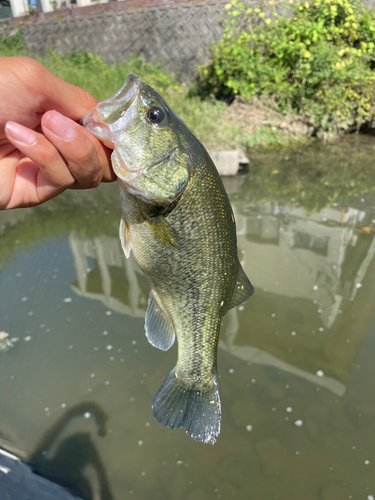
(50,91)
(69,100)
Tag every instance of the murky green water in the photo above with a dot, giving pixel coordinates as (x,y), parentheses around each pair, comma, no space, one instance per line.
(297,361)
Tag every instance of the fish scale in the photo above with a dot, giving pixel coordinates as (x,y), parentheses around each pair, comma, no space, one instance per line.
(177,220)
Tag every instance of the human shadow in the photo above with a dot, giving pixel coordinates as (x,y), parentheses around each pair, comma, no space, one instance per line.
(73,454)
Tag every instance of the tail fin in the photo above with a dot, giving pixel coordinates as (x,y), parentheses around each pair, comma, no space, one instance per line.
(199,413)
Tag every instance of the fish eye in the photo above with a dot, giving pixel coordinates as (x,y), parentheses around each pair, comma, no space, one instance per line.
(155,115)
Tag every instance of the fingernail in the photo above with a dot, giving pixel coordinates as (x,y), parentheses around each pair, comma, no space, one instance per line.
(20,133)
(60,126)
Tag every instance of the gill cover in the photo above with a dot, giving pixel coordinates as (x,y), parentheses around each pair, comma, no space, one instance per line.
(148,156)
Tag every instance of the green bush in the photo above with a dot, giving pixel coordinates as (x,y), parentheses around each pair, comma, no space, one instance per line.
(316,60)
(12,45)
(203,117)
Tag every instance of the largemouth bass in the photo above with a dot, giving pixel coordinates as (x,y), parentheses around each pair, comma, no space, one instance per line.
(177,220)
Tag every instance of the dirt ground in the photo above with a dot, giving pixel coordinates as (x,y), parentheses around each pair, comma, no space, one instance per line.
(260,113)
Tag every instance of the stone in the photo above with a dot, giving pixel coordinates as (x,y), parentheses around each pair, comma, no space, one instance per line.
(228,162)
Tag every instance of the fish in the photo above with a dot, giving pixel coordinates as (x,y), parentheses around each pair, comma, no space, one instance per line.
(178,222)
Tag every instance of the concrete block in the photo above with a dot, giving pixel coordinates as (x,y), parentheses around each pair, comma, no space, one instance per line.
(228,162)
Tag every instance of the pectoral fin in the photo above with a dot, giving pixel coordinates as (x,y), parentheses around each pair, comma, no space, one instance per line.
(163,231)
(125,237)
(159,329)
(243,289)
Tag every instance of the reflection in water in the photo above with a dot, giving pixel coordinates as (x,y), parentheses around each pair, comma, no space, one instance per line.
(296,360)
(104,274)
(315,252)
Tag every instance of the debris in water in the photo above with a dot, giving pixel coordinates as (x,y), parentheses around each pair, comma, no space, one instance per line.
(7,343)
(298,423)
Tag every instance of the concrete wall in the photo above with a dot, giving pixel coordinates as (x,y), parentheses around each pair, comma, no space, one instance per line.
(177,36)
(173,33)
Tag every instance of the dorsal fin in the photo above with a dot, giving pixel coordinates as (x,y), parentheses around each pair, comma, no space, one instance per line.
(243,289)
(159,329)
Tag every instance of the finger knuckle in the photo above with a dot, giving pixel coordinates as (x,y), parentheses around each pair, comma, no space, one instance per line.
(33,69)
(95,181)
(87,153)
(86,166)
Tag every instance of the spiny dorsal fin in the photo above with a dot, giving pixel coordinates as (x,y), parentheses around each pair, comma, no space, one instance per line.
(243,289)
(159,329)
(125,238)
(163,231)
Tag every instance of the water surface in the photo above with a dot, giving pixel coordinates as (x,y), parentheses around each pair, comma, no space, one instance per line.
(296,360)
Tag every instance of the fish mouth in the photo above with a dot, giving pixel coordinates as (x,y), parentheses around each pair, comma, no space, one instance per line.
(139,170)
(117,113)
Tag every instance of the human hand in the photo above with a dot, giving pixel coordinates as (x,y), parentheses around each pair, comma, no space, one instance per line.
(43,151)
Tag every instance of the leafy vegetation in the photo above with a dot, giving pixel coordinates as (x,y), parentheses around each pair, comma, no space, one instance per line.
(318,60)
(12,45)
(204,118)
(90,72)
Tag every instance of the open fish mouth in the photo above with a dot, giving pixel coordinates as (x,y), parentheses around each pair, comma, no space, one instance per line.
(118,113)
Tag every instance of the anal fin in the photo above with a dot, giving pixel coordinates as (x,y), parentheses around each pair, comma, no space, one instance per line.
(125,237)
(159,329)
(163,231)
(243,289)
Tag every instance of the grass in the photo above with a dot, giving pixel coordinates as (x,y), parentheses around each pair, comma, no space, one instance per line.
(204,117)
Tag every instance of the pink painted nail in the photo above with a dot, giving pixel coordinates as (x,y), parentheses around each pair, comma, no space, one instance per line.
(60,126)
(20,133)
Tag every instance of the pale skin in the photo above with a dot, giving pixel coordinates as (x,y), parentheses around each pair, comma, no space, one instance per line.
(43,151)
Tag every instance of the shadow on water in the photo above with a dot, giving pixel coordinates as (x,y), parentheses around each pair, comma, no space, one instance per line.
(73,454)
